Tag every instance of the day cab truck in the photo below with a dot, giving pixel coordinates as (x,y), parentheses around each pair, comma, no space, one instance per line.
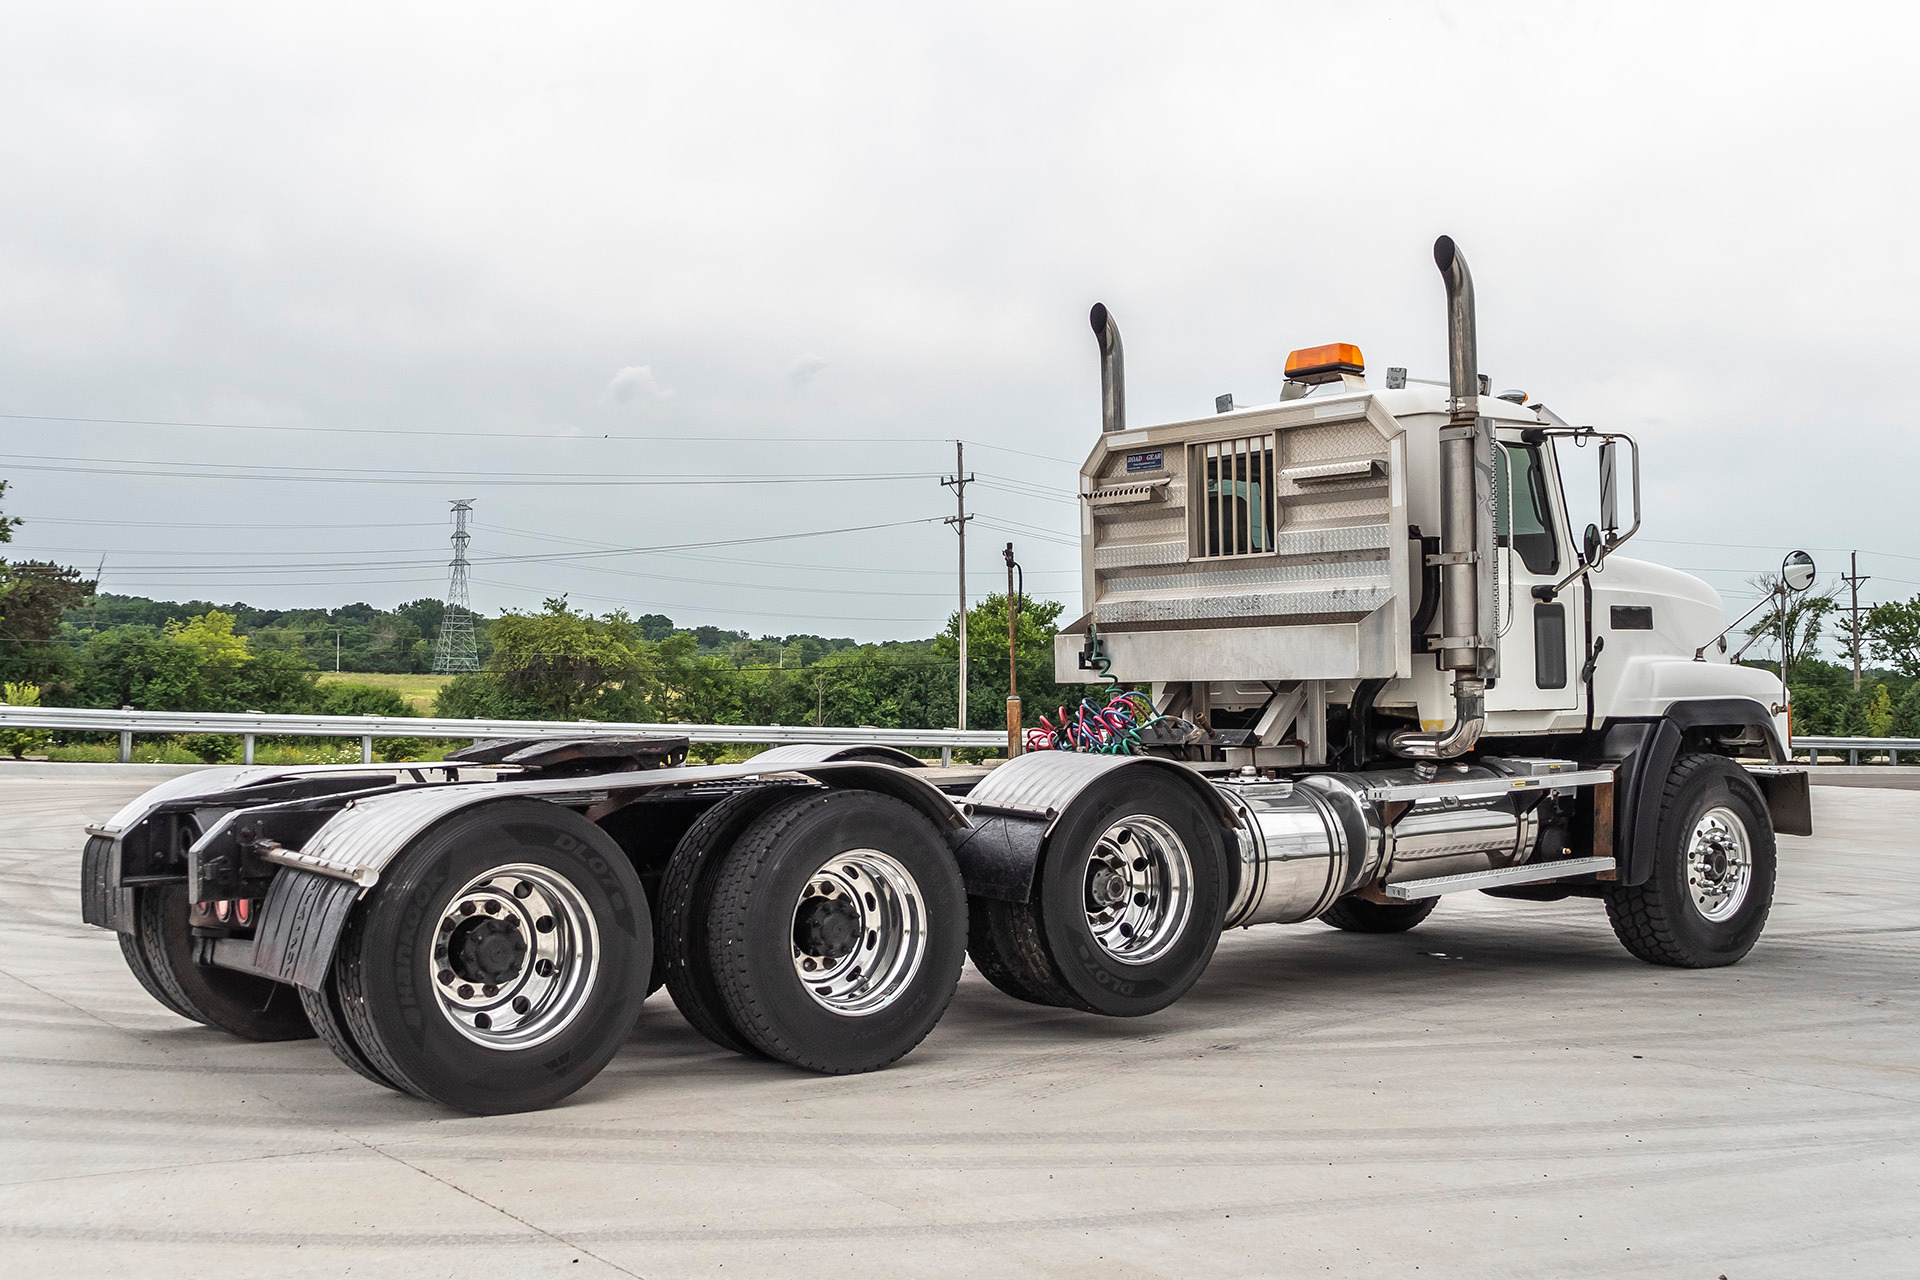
(1382,669)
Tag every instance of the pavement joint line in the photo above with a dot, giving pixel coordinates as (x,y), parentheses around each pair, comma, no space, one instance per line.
(353,1138)
(169,1168)
(482,1200)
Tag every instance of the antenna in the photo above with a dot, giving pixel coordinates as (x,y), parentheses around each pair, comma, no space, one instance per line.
(457,650)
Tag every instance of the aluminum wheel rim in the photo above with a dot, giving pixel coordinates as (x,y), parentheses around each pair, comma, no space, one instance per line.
(1719,864)
(1139,889)
(859,932)
(514,958)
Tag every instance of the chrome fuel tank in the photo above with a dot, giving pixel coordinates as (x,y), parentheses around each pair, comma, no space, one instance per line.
(1304,844)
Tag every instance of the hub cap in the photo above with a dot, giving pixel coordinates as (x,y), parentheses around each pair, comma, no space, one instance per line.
(1139,889)
(514,957)
(859,932)
(1719,864)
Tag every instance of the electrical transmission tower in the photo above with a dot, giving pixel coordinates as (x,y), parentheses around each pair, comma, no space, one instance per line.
(457,650)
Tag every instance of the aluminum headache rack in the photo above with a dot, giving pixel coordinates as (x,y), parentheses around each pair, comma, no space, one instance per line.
(250,725)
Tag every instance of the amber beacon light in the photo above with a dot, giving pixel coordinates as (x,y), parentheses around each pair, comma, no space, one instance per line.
(1326,363)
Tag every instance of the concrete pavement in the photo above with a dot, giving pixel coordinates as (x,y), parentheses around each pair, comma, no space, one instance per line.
(1500,1092)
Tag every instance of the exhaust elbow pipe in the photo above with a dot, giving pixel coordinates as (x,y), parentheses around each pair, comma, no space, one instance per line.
(1113,370)
(1470,718)
(1460,528)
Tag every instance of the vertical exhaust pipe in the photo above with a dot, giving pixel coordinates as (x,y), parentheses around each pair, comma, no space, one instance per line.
(1113,370)
(1460,523)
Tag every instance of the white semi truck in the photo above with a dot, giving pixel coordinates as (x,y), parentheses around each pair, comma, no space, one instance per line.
(1383,669)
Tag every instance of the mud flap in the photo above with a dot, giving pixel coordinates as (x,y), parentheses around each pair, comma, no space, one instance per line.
(999,856)
(103,900)
(301,919)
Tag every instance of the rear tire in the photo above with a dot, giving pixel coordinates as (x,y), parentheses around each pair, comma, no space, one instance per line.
(1357,915)
(136,957)
(686,900)
(240,1004)
(500,962)
(1713,871)
(837,931)
(329,1021)
(1127,905)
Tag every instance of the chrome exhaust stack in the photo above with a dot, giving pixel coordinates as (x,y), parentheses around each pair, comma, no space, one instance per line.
(1113,370)
(1466,528)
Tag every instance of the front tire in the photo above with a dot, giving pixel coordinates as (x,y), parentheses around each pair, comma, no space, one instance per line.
(1713,871)
(500,962)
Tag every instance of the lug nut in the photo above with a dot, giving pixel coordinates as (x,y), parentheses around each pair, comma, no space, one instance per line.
(493,908)
(466,992)
(466,908)
(489,990)
(446,976)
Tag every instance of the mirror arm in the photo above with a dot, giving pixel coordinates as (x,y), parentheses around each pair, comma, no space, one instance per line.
(1700,654)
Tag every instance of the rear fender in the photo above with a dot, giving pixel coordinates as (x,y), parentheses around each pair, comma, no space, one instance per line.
(1017,806)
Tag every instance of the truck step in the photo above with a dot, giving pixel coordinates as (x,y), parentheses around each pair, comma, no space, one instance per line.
(1529,874)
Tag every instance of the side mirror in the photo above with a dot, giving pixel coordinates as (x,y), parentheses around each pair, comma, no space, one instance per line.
(1609,489)
(1797,571)
(1594,543)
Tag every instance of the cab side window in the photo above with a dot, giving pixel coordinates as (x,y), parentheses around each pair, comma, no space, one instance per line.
(1522,514)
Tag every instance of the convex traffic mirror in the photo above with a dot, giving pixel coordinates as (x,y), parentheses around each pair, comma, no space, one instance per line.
(1797,571)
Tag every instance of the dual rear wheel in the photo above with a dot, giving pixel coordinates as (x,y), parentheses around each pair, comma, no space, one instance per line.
(821,928)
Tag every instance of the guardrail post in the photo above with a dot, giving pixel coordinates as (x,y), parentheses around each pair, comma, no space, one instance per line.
(1853,756)
(246,748)
(126,746)
(366,748)
(946,756)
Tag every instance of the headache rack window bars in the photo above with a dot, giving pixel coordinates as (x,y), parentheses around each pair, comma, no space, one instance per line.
(1232,497)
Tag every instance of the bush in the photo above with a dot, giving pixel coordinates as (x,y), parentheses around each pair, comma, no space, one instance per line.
(19,742)
(213,748)
(400,750)
(345,698)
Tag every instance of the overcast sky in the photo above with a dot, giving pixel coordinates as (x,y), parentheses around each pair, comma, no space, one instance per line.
(792,241)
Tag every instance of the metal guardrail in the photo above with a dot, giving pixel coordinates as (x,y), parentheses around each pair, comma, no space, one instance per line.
(250,725)
(1813,746)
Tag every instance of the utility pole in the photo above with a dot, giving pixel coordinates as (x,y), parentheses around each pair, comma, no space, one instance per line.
(1853,579)
(336,651)
(958,482)
(1013,655)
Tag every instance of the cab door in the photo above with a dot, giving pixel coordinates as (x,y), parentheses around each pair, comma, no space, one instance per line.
(1539,640)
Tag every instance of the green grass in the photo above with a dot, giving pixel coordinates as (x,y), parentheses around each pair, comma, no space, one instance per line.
(419,691)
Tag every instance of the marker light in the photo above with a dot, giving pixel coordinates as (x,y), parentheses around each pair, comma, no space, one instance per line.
(1325,364)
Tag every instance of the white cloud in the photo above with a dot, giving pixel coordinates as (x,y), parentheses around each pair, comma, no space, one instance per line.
(802,371)
(636,382)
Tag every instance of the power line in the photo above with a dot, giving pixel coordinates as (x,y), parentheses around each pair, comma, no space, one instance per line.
(722,612)
(289,473)
(768,564)
(702,438)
